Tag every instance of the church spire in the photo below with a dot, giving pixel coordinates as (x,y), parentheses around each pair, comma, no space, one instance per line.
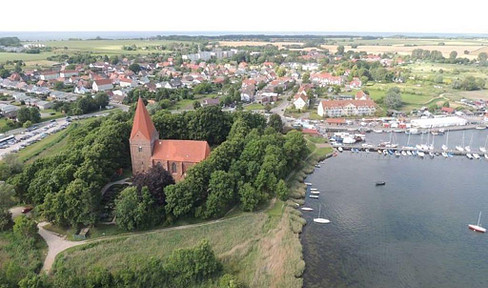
(143,125)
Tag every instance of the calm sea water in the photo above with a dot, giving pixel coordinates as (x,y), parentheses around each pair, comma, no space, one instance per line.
(412,232)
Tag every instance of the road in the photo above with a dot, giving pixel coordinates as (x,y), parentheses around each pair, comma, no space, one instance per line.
(55,244)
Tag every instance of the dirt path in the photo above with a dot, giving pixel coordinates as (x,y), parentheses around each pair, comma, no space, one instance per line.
(55,245)
(105,188)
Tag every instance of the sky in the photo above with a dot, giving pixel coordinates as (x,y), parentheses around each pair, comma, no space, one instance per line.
(418,16)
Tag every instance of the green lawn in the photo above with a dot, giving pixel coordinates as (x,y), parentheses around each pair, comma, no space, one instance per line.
(131,250)
(254,106)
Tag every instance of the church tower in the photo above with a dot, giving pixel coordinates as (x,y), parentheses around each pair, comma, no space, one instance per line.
(142,139)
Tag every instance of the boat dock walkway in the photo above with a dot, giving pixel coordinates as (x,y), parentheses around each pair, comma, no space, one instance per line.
(390,150)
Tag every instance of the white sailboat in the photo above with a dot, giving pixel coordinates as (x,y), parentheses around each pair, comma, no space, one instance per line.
(468,148)
(476,156)
(321,220)
(461,148)
(307,209)
(477,227)
(470,157)
(444,146)
(483,149)
(444,154)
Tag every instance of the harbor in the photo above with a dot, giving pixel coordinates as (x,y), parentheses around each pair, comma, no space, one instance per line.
(411,231)
(471,144)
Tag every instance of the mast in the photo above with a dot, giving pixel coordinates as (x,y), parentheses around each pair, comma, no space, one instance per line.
(463,140)
(447,138)
(479,219)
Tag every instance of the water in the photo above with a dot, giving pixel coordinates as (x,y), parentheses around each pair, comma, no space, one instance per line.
(65,35)
(412,232)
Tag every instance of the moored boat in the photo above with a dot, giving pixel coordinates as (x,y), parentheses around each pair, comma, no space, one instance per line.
(380,183)
(307,209)
(477,227)
(476,156)
(469,156)
(314,196)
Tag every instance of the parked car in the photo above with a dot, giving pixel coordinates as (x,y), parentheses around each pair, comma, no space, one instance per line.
(27,209)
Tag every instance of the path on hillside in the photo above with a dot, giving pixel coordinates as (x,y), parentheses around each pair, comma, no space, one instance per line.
(105,188)
(55,244)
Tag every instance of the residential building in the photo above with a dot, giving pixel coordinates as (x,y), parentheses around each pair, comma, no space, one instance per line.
(102,85)
(341,108)
(300,101)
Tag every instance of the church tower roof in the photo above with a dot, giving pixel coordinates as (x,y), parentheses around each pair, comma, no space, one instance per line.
(143,124)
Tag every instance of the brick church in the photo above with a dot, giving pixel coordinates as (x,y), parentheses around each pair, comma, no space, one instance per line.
(147,150)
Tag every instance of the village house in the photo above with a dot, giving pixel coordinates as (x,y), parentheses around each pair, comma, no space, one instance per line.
(360,95)
(341,108)
(49,75)
(325,79)
(300,101)
(102,85)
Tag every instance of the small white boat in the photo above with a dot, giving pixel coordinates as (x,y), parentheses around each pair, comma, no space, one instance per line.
(379,151)
(313,189)
(444,147)
(467,148)
(397,153)
(385,152)
(314,196)
(476,156)
(483,149)
(431,154)
(421,154)
(321,220)
(444,154)
(460,148)
(486,156)
(377,131)
(409,153)
(340,149)
(366,150)
(317,166)
(469,156)
(308,183)
(477,227)
(315,192)
(481,127)
(404,153)
(307,209)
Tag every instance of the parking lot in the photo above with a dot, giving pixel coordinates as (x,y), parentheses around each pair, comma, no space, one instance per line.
(32,135)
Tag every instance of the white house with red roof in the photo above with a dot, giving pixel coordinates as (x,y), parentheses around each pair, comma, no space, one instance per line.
(102,85)
(49,75)
(360,95)
(341,108)
(300,101)
(325,79)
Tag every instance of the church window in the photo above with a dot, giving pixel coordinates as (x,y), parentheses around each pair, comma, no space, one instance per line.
(140,148)
(173,168)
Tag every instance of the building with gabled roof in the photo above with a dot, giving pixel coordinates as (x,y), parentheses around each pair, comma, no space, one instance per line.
(147,150)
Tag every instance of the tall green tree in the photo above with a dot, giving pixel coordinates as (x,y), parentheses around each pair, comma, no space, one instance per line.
(393,98)
(134,211)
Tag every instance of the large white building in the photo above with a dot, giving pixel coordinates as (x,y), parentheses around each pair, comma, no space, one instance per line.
(102,85)
(439,122)
(342,108)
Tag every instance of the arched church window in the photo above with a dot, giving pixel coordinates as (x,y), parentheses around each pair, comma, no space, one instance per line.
(173,168)
(140,148)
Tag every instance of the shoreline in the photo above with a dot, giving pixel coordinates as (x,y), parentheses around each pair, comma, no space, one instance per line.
(297,199)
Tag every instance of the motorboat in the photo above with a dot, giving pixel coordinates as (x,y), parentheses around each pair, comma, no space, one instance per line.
(340,149)
(397,153)
(481,127)
(379,151)
(476,156)
(307,209)
(477,227)
(421,154)
(380,183)
(315,192)
(460,148)
(409,153)
(404,153)
(470,157)
(444,154)
(308,183)
(431,154)
(377,131)
(314,196)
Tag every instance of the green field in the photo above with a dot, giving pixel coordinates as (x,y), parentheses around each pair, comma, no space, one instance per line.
(118,253)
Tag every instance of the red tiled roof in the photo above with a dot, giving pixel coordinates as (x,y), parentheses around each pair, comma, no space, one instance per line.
(103,82)
(342,103)
(310,131)
(181,150)
(142,122)
(335,120)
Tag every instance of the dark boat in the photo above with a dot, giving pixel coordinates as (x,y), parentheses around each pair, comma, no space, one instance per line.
(380,183)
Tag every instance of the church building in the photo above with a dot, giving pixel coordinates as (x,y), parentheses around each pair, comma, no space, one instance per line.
(147,150)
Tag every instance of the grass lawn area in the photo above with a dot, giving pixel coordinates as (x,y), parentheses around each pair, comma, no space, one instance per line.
(131,250)
(254,106)
(317,140)
(5,56)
